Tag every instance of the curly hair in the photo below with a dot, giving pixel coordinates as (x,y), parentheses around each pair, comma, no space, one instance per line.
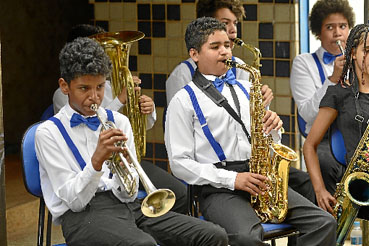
(209,7)
(83,56)
(83,30)
(198,31)
(323,8)
(357,35)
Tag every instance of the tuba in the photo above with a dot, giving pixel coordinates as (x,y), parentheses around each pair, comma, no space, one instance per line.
(353,190)
(158,201)
(117,46)
(267,158)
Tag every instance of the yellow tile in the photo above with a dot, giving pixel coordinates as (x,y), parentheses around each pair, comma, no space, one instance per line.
(129,26)
(115,25)
(160,64)
(150,135)
(134,48)
(188,12)
(266,12)
(159,47)
(283,32)
(129,11)
(148,92)
(283,105)
(294,49)
(116,11)
(144,64)
(250,31)
(283,87)
(284,12)
(173,62)
(270,82)
(101,11)
(174,1)
(174,30)
(175,48)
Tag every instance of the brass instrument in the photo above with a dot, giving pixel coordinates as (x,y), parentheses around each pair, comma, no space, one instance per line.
(255,51)
(158,201)
(267,158)
(117,46)
(338,42)
(353,190)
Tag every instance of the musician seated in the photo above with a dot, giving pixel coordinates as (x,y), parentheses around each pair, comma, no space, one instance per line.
(79,190)
(160,177)
(212,150)
(346,103)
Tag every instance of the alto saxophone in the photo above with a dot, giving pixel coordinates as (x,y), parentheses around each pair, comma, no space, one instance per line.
(267,158)
(353,190)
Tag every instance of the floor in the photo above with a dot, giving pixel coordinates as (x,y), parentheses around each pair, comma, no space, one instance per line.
(22,209)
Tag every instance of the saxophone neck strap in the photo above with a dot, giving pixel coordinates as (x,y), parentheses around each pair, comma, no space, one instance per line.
(210,91)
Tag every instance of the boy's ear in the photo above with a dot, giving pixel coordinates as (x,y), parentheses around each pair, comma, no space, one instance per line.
(64,87)
(194,54)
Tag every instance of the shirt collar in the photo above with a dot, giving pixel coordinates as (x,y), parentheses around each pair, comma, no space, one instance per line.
(69,111)
(213,77)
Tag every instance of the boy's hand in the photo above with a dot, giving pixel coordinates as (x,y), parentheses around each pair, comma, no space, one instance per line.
(339,62)
(123,94)
(271,121)
(250,182)
(267,95)
(106,146)
(146,104)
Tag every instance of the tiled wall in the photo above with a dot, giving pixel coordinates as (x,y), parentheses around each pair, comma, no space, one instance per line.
(270,25)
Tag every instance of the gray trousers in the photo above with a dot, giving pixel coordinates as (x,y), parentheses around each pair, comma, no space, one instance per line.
(233,211)
(107,221)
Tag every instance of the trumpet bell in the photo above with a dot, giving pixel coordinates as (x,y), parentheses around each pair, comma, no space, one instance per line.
(158,202)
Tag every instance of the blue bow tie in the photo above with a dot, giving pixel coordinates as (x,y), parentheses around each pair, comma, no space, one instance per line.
(329,58)
(92,122)
(229,78)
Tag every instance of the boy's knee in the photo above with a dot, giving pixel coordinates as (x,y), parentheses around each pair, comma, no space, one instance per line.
(243,239)
(217,236)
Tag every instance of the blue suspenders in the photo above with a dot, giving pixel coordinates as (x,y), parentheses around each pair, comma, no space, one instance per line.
(192,70)
(320,68)
(205,128)
(69,141)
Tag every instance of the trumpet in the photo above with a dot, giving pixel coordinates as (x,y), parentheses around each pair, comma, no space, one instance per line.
(338,42)
(158,201)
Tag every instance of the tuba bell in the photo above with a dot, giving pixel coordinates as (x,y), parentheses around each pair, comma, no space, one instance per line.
(158,201)
(117,46)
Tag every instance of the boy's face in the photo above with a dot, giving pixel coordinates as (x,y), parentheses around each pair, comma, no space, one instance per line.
(84,91)
(334,27)
(210,59)
(226,16)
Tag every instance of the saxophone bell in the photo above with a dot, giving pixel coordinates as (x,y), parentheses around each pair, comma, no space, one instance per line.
(158,201)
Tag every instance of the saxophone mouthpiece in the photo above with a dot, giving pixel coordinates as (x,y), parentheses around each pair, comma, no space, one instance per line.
(338,42)
(238,41)
(230,63)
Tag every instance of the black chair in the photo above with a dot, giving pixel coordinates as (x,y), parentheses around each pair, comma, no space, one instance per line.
(31,177)
(271,231)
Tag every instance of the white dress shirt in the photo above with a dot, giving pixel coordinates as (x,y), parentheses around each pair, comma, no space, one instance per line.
(59,100)
(306,86)
(191,156)
(64,185)
(181,76)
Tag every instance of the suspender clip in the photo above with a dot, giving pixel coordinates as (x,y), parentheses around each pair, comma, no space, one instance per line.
(359,118)
(203,125)
(224,163)
(357,95)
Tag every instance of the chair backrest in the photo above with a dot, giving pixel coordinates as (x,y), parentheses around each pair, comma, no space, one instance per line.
(31,175)
(337,144)
(302,125)
(49,111)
